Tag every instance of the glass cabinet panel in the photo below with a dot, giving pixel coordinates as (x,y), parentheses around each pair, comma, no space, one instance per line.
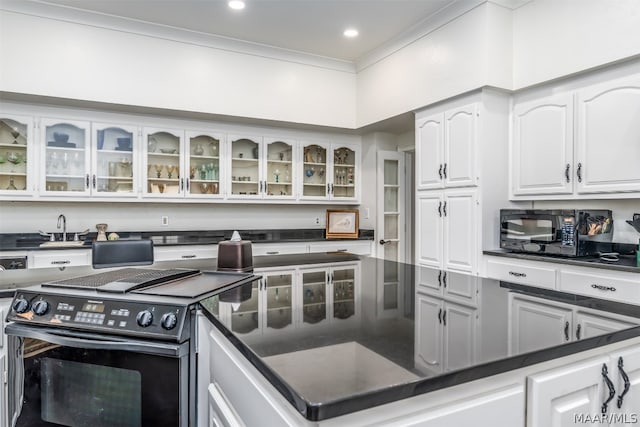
(14,136)
(245,318)
(204,164)
(163,163)
(114,160)
(245,167)
(279,301)
(344,164)
(279,169)
(66,157)
(314,297)
(314,171)
(343,293)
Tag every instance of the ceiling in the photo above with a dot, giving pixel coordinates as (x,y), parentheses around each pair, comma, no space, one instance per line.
(309,26)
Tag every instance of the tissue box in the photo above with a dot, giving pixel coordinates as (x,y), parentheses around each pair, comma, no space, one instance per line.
(235,256)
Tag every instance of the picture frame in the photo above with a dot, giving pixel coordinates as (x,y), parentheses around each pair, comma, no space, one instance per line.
(342,224)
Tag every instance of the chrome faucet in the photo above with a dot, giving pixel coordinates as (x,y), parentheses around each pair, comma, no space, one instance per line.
(62,219)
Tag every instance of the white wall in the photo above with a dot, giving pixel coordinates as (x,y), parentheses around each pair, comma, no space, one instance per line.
(555,38)
(62,59)
(467,53)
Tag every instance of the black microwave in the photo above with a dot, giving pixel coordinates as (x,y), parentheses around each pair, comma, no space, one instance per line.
(564,232)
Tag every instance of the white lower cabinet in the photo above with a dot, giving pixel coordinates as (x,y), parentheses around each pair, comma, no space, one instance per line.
(4,307)
(445,334)
(590,392)
(221,413)
(563,323)
(59,258)
(186,252)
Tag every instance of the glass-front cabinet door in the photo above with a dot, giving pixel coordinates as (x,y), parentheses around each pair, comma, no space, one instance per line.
(278,300)
(346,167)
(66,157)
(115,160)
(163,161)
(16,136)
(279,169)
(314,285)
(343,291)
(245,171)
(314,171)
(203,164)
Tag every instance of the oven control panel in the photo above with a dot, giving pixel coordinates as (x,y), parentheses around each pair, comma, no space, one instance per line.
(93,314)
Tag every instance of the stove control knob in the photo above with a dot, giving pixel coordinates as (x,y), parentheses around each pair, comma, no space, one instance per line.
(40,307)
(169,321)
(144,318)
(21,305)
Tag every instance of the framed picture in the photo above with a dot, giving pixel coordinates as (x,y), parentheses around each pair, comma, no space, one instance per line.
(342,224)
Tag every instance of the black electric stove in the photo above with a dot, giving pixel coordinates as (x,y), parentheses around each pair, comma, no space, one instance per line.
(140,302)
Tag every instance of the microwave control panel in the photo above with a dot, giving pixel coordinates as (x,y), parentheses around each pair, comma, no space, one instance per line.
(568,231)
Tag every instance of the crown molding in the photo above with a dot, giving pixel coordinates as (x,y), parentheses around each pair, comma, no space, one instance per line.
(45,10)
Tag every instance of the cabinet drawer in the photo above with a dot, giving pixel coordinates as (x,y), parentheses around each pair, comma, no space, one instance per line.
(176,253)
(62,258)
(595,284)
(362,247)
(259,249)
(522,273)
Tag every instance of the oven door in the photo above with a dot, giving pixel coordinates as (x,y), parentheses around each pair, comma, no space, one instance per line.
(68,378)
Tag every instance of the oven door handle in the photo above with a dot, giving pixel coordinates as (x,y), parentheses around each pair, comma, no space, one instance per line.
(96,342)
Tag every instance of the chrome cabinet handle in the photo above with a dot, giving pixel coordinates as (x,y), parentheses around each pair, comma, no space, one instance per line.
(445,170)
(440,278)
(87,181)
(188,183)
(444,207)
(60,262)
(440,209)
(94,181)
(625,378)
(188,256)
(440,316)
(444,279)
(579,172)
(612,390)
(566,172)
(440,171)
(444,317)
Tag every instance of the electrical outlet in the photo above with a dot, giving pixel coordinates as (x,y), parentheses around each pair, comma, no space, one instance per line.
(317,220)
(164,221)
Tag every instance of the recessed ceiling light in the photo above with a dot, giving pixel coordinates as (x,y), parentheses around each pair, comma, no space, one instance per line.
(236,4)
(350,32)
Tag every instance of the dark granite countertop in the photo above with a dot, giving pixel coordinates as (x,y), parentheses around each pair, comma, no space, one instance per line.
(307,353)
(627,261)
(32,241)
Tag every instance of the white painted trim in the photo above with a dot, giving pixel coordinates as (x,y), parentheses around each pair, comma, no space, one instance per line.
(45,10)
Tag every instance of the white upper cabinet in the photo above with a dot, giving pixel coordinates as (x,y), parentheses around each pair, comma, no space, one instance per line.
(279,180)
(202,166)
(66,157)
(542,152)
(330,171)
(162,166)
(608,137)
(577,144)
(16,147)
(115,160)
(447,153)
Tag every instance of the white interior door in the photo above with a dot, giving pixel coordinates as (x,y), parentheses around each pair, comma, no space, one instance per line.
(391,231)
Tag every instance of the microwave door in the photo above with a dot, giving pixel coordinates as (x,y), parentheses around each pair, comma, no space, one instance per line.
(529,229)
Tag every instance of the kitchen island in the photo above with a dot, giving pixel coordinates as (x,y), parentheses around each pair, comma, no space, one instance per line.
(348,340)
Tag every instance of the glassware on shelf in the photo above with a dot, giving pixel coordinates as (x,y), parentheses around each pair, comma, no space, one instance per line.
(287,177)
(13,158)
(12,185)
(192,172)
(153,145)
(276,175)
(203,172)
(198,150)
(158,169)
(15,133)
(213,147)
(170,169)
(318,155)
